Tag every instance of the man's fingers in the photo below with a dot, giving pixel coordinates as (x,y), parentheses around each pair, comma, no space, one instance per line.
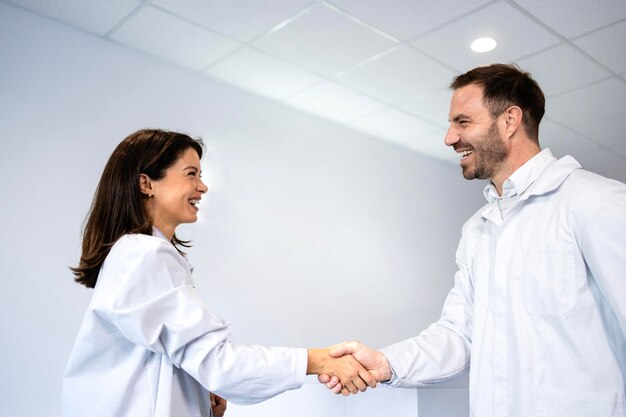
(346,348)
(368,378)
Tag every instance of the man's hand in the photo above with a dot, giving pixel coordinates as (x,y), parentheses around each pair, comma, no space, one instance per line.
(373,360)
(218,405)
(352,376)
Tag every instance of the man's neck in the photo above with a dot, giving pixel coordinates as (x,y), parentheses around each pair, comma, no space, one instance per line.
(514,161)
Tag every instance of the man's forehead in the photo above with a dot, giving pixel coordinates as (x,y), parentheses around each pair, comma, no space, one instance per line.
(469,92)
(466,99)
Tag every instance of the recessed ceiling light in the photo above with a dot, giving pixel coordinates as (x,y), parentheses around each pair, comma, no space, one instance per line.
(483,45)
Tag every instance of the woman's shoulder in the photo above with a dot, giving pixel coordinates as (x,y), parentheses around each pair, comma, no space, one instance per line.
(144,265)
(140,240)
(138,246)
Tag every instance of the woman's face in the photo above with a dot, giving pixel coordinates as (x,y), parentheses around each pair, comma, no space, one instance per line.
(175,197)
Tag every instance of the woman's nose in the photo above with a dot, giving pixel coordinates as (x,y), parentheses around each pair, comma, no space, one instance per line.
(202,186)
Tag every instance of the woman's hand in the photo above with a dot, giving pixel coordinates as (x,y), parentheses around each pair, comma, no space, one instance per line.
(218,405)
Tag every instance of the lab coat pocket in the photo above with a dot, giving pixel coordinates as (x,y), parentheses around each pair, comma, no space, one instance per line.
(562,402)
(548,279)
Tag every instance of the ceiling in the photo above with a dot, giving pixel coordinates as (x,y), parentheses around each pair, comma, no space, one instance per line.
(383,66)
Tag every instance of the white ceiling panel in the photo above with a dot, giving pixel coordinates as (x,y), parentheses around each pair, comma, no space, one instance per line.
(563,141)
(406,19)
(562,68)
(345,60)
(433,145)
(607,132)
(324,41)
(596,102)
(94,16)
(334,102)
(573,18)
(620,150)
(433,106)
(395,126)
(516,35)
(618,174)
(608,46)
(398,76)
(603,160)
(166,36)
(240,19)
(262,74)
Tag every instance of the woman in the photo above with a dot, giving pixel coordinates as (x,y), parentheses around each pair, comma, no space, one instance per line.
(148,345)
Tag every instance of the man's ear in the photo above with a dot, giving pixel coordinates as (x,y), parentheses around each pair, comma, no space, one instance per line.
(145,185)
(513,119)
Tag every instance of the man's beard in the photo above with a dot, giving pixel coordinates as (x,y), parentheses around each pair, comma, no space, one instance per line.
(488,154)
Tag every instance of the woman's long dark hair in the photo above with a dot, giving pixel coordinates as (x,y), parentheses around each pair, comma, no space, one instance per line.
(118,206)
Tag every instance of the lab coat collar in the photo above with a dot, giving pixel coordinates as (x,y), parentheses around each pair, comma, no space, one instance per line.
(552,177)
(540,175)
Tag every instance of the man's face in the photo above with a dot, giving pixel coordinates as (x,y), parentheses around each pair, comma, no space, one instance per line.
(474,134)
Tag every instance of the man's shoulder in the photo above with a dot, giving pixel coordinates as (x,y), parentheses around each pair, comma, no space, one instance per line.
(582,183)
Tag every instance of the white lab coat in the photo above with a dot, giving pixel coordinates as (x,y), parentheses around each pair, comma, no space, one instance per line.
(538,309)
(149,346)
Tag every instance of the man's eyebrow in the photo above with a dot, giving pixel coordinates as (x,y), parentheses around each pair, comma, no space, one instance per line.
(459,117)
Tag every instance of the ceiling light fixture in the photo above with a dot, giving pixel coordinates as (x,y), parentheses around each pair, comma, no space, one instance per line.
(482,45)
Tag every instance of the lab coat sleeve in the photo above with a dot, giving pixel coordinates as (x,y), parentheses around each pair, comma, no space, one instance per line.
(157,307)
(603,243)
(441,351)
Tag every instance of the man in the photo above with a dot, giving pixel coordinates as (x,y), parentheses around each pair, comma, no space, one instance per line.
(538,308)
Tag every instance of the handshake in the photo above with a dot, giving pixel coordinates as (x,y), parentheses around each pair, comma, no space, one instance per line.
(348,367)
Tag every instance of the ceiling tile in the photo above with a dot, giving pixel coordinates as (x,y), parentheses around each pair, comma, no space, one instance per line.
(159,33)
(607,132)
(241,19)
(433,145)
(262,74)
(574,109)
(573,18)
(562,68)
(395,126)
(607,46)
(516,35)
(406,19)
(618,174)
(601,161)
(324,41)
(562,141)
(398,75)
(334,102)
(619,149)
(94,16)
(433,106)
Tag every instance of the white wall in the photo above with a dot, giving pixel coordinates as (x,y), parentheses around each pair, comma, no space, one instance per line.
(312,233)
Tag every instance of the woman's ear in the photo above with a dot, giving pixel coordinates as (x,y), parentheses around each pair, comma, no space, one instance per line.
(145,185)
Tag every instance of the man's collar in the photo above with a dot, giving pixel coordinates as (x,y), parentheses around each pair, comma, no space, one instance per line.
(522,178)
